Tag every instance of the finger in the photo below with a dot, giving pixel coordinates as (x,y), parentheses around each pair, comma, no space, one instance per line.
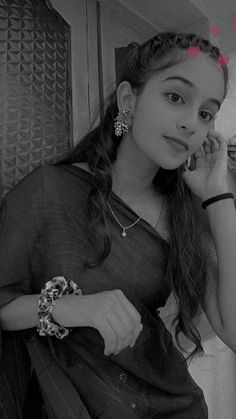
(207,147)
(124,329)
(135,316)
(224,148)
(217,136)
(199,153)
(203,149)
(214,143)
(134,342)
(199,157)
(122,334)
(132,328)
(223,144)
(129,331)
(129,307)
(220,146)
(109,336)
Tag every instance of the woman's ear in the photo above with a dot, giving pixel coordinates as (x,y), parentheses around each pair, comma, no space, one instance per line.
(126,98)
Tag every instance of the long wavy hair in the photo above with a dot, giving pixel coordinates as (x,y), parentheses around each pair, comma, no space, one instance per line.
(188,264)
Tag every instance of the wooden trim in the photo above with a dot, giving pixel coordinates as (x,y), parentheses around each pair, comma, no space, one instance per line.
(100,69)
(92,61)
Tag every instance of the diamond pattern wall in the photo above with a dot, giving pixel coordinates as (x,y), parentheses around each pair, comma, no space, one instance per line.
(35,87)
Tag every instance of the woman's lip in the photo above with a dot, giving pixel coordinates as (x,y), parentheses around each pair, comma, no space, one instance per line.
(178,141)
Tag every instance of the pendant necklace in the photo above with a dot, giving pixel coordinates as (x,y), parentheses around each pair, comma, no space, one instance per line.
(124,228)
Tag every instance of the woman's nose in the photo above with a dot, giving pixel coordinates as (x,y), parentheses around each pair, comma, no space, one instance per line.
(188,124)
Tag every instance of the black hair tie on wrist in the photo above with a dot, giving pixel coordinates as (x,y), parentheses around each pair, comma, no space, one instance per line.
(217,198)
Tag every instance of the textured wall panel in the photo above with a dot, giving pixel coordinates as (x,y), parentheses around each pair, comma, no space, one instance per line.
(35,87)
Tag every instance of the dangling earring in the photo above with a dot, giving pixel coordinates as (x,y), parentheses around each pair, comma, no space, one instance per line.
(123,121)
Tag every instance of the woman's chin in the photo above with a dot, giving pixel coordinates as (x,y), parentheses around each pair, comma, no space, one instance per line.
(171,164)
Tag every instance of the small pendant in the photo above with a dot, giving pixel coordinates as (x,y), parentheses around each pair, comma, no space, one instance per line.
(123,233)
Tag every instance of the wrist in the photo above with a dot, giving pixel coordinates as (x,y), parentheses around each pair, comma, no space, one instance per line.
(223,204)
(54,289)
(211,193)
(66,311)
(217,198)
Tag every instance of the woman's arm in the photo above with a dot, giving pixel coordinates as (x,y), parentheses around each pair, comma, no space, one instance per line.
(20,313)
(220,300)
(110,312)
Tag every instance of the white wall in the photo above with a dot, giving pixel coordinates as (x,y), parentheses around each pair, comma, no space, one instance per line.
(226,118)
(220,13)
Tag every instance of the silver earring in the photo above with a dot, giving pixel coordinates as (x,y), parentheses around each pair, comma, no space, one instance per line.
(123,121)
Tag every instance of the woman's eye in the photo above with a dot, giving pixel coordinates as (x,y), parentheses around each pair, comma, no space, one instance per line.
(207,114)
(175,97)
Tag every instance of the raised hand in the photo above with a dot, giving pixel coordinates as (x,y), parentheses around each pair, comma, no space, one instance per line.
(210,176)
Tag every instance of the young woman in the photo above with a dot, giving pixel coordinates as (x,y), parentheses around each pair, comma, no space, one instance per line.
(91,247)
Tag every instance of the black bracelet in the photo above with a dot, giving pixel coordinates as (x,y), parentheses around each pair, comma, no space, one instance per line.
(217,198)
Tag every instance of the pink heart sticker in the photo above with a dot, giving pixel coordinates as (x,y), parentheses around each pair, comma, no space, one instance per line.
(215,30)
(193,51)
(223,60)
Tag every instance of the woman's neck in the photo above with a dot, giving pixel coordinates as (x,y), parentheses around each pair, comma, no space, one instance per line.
(132,172)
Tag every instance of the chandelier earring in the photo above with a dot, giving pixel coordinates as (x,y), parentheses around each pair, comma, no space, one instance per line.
(123,121)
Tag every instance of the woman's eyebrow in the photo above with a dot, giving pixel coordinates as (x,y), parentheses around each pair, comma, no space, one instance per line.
(190,84)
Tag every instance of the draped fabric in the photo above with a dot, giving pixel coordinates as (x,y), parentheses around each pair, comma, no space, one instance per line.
(44,233)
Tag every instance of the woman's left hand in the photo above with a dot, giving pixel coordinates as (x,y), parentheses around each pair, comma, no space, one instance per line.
(210,176)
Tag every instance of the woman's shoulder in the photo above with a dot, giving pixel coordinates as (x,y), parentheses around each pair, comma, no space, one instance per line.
(66,170)
(60,176)
(50,182)
(67,182)
(70,172)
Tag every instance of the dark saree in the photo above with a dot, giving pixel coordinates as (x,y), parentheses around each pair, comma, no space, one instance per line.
(44,233)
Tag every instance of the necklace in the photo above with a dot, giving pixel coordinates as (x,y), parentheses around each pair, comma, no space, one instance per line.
(124,228)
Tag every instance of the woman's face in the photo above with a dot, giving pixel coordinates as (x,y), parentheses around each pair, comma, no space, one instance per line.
(177,108)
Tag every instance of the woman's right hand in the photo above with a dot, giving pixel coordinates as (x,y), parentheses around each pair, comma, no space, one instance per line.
(110,312)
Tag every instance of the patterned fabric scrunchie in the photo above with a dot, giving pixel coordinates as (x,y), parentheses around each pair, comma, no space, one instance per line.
(52,290)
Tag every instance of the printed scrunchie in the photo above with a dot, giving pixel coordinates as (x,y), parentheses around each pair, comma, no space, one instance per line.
(56,288)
